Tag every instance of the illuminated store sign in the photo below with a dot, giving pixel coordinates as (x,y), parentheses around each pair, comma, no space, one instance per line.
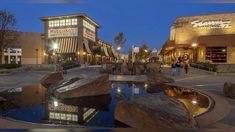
(62,32)
(89,34)
(211,24)
(89,31)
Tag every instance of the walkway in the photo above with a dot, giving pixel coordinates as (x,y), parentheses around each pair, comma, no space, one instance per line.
(209,82)
(128,78)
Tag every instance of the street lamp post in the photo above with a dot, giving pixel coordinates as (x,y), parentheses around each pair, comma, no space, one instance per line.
(55,47)
(36,56)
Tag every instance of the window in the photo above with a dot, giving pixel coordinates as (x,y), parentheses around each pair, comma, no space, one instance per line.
(63,22)
(216,54)
(74,21)
(88,25)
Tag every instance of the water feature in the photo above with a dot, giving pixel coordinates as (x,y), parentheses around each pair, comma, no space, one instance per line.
(33,104)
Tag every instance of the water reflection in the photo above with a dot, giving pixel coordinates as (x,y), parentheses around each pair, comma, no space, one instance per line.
(33,104)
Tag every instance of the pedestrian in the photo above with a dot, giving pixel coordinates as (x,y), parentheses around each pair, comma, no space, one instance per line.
(186,67)
(177,66)
(173,69)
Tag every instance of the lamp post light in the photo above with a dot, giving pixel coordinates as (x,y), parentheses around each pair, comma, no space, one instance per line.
(194,45)
(55,47)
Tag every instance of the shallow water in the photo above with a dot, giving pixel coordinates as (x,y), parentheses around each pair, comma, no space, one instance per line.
(31,104)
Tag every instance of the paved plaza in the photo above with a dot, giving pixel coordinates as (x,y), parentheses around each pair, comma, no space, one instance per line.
(197,79)
(209,82)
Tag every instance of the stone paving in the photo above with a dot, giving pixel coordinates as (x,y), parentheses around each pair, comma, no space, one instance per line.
(209,82)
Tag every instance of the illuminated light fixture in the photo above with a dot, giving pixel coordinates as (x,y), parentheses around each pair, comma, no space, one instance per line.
(78,53)
(194,45)
(56,103)
(223,50)
(145,85)
(118,48)
(53,53)
(194,101)
(119,90)
(84,53)
(146,50)
(55,46)
(44,54)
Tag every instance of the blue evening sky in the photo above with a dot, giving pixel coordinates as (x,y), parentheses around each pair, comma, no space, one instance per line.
(140,20)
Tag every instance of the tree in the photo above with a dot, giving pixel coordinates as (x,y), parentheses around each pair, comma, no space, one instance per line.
(120,40)
(7,32)
(143,52)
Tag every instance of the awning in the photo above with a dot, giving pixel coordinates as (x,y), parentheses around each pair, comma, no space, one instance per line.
(106,51)
(86,44)
(67,45)
(217,40)
(114,52)
(110,52)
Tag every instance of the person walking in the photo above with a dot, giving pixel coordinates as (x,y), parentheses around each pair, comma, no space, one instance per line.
(173,69)
(186,67)
(177,66)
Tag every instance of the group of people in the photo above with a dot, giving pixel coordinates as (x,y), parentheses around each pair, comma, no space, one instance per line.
(176,67)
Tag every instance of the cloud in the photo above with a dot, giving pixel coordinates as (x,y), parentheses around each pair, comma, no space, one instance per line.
(214,1)
(55,1)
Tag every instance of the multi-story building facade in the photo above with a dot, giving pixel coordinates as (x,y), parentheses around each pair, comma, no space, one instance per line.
(202,38)
(72,38)
(27,49)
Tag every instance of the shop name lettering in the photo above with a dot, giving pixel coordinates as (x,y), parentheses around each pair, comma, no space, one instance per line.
(211,23)
(67,32)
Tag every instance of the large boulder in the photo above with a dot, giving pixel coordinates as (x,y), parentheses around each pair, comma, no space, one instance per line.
(2,99)
(229,89)
(124,69)
(52,78)
(153,112)
(139,69)
(153,67)
(85,87)
(159,78)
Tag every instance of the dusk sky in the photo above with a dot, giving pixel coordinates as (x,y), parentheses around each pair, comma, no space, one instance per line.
(140,20)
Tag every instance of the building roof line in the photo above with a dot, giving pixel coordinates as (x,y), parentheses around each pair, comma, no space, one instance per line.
(211,14)
(71,15)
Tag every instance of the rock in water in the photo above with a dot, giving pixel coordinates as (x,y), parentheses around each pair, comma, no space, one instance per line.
(51,79)
(85,87)
(229,89)
(153,112)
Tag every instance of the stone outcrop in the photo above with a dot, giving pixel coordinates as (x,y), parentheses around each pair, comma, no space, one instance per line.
(85,87)
(153,67)
(153,112)
(229,89)
(139,69)
(156,88)
(159,78)
(2,99)
(52,78)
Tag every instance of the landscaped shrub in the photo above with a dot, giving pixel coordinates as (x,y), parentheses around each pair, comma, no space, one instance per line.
(205,66)
(9,66)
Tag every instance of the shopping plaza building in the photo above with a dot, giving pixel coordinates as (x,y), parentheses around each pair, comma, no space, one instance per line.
(202,38)
(75,38)
(69,38)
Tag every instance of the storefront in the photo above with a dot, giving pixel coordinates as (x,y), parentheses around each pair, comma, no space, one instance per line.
(72,38)
(202,38)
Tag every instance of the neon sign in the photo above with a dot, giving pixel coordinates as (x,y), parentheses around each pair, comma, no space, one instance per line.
(205,24)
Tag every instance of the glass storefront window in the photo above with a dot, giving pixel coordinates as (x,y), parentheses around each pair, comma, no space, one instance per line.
(88,25)
(63,22)
(216,54)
